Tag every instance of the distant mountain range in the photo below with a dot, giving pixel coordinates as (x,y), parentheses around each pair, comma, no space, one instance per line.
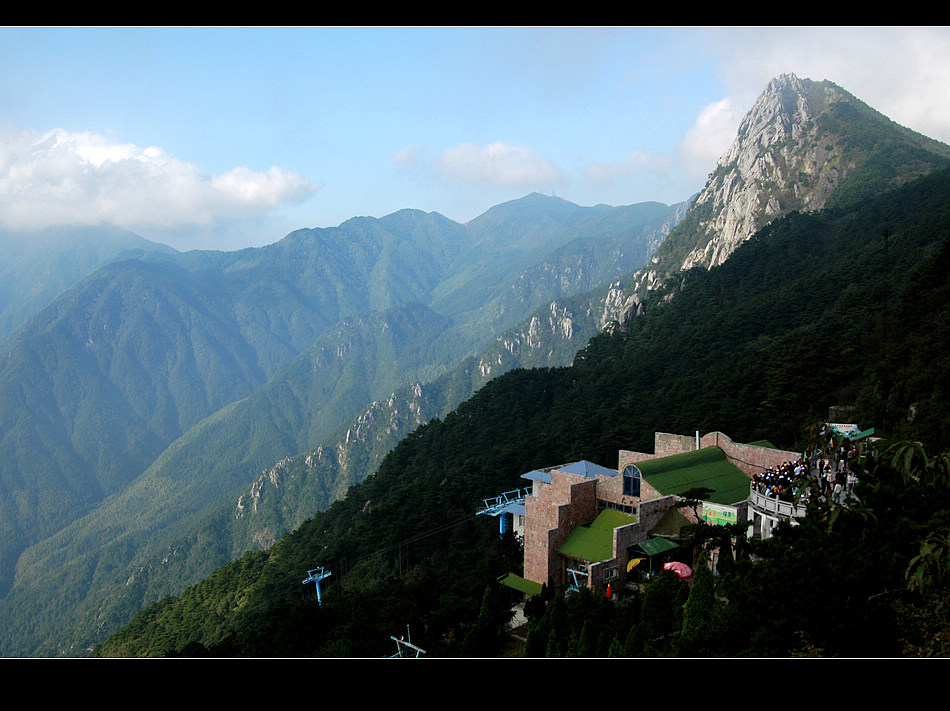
(159,387)
(841,306)
(36,267)
(171,411)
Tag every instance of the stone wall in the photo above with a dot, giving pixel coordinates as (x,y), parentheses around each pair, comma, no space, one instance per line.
(750,458)
(555,509)
(552,513)
(666,445)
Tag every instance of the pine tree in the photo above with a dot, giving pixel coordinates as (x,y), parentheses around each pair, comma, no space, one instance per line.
(700,609)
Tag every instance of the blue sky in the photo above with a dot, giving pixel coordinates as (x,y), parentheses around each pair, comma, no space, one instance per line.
(228,137)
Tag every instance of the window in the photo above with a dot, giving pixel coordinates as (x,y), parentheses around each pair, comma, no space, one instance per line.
(625,508)
(631,481)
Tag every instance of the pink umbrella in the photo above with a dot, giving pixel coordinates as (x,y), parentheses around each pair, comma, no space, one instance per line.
(681,569)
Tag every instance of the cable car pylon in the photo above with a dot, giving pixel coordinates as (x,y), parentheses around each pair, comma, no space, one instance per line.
(315,576)
(403,647)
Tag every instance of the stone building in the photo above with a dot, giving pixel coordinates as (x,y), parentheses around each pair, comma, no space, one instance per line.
(588,525)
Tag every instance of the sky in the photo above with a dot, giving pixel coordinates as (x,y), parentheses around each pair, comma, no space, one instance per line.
(228,137)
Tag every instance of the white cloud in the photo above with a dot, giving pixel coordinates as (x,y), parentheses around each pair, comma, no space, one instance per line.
(900,71)
(696,155)
(408,156)
(711,135)
(62,178)
(498,164)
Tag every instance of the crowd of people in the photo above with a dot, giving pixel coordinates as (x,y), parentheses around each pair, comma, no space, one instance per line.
(827,469)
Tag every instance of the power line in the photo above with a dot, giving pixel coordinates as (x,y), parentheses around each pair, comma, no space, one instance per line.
(344,564)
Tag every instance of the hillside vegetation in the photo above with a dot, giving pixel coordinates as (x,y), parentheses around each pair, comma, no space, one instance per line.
(146,400)
(846,306)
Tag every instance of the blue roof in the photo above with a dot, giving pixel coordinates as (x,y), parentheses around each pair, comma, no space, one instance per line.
(588,469)
(582,468)
(538,475)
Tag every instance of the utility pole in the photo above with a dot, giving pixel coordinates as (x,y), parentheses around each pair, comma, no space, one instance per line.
(887,234)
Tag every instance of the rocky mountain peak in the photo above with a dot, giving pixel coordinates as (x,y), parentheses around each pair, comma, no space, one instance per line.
(800,141)
(780,161)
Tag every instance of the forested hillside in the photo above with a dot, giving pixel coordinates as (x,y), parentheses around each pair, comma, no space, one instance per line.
(152,394)
(37,266)
(841,307)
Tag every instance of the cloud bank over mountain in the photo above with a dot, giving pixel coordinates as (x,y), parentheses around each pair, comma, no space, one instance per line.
(59,178)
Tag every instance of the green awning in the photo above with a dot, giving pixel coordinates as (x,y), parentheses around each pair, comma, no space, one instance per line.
(874,432)
(655,546)
(516,582)
(595,543)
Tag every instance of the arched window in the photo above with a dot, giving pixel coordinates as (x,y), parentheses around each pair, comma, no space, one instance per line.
(631,481)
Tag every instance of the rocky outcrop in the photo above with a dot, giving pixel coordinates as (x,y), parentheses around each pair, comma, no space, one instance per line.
(780,161)
(798,144)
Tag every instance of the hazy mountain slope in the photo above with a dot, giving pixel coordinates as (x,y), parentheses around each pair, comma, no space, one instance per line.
(275,300)
(94,387)
(601,250)
(100,383)
(36,267)
(286,294)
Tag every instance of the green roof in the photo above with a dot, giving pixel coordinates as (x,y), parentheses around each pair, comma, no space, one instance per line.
(671,524)
(595,543)
(708,468)
(520,584)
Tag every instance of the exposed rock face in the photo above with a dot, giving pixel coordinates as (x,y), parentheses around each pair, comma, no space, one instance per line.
(784,159)
(779,161)
(800,141)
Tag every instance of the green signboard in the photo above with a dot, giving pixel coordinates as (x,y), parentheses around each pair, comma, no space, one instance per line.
(719,515)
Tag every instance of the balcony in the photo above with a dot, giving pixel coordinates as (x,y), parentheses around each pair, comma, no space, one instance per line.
(775,507)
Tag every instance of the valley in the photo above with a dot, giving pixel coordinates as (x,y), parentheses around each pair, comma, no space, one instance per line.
(186,434)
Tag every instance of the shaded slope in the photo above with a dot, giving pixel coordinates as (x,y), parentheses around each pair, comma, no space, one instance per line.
(757,347)
(275,301)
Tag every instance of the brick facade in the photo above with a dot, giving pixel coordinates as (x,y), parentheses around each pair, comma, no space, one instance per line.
(749,458)
(552,512)
(556,508)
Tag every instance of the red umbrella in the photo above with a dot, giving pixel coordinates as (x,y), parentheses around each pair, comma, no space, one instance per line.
(681,569)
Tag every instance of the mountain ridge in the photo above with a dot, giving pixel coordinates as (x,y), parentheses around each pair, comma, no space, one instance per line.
(37,266)
(758,347)
(802,145)
(242,287)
